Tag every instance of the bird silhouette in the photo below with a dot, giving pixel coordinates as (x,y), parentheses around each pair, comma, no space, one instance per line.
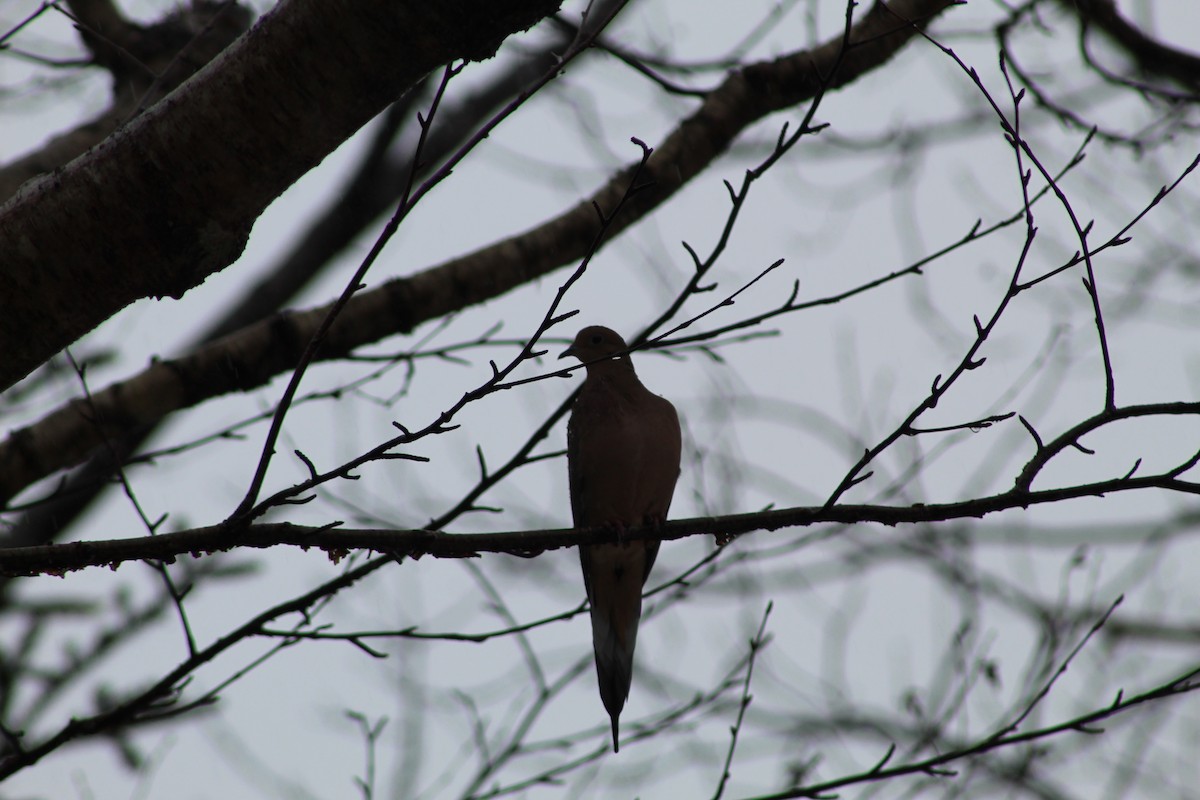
(623,447)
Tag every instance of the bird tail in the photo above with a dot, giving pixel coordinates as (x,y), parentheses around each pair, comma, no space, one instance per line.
(613,575)
(614,644)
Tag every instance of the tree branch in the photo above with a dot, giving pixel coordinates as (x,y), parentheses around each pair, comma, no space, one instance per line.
(57,559)
(251,357)
(209,159)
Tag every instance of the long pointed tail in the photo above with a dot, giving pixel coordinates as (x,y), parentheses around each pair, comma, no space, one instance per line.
(613,575)
(614,661)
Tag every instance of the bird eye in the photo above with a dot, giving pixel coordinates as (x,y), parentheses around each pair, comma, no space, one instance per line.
(597,338)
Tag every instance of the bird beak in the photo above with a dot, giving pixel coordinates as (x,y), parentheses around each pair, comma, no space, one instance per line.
(570,351)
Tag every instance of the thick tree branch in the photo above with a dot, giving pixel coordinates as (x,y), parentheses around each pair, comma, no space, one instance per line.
(146,63)
(203,164)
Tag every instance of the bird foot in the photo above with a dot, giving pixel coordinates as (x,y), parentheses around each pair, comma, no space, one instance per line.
(655,521)
(618,530)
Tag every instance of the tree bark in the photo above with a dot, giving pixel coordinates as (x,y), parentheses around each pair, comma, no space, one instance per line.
(170,198)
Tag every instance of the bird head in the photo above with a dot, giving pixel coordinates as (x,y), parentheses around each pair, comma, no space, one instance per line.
(596,342)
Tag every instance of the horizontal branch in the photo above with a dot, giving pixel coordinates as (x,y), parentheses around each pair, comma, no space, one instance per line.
(58,559)
(1070,438)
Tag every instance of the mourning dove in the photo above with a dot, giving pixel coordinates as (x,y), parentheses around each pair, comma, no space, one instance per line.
(623,448)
